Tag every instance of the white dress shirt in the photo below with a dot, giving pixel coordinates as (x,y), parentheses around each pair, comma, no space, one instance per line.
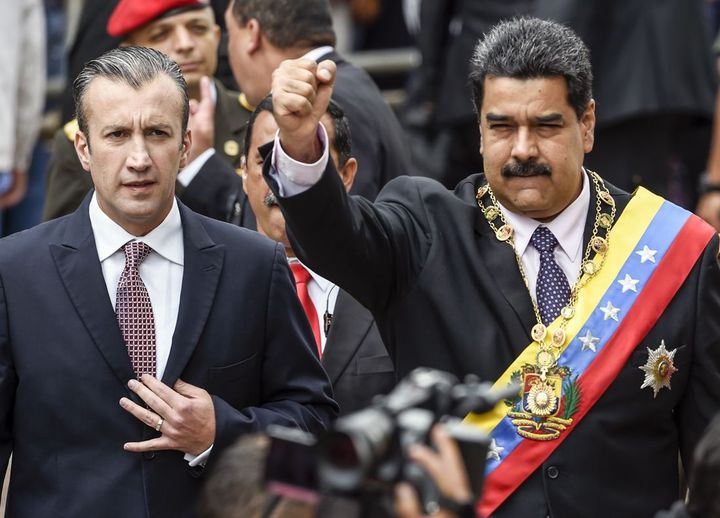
(161,272)
(323,295)
(295,177)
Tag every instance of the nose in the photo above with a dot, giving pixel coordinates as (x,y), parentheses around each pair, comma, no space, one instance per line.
(138,159)
(524,145)
(183,40)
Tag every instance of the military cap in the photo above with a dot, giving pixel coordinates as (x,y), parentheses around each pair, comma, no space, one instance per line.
(131,14)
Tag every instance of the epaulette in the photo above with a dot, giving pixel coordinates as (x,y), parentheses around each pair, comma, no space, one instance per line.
(242,100)
(70,129)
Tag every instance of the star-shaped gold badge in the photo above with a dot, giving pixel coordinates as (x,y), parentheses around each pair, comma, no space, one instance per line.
(659,368)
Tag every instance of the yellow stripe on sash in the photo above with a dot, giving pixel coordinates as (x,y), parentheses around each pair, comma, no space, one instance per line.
(623,239)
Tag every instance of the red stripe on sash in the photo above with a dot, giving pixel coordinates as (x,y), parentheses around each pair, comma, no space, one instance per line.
(660,289)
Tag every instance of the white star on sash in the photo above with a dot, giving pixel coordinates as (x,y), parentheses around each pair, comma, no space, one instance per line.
(610,311)
(646,254)
(589,341)
(494,450)
(629,284)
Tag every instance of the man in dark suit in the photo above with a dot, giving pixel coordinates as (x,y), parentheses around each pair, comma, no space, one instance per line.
(186,31)
(139,339)
(599,304)
(260,39)
(351,349)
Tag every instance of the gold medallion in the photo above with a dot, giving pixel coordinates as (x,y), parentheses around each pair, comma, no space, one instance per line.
(231,148)
(558,337)
(538,333)
(599,245)
(504,233)
(545,359)
(567,312)
(589,267)
(604,220)
(605,196)
(491,213)
(482,191)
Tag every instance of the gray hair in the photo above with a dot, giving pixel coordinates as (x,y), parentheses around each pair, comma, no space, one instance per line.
(289,23)
(135,66)
(530,48)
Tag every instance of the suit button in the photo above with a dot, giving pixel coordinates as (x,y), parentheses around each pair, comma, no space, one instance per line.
(149,455)
(553,472)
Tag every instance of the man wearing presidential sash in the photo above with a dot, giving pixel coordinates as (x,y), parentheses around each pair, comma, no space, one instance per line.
(599,304)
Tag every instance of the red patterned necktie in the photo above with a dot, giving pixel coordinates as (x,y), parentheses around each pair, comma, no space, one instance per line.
(134,311)
(302,276)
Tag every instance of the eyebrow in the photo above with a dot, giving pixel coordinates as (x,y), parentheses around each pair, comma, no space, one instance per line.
(494,117)
(551,117)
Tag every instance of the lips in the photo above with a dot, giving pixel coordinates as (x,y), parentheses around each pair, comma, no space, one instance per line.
(139,185)
(190,67)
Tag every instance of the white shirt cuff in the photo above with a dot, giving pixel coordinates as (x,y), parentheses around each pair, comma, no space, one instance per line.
(191,170)
(198,460)
(295,177)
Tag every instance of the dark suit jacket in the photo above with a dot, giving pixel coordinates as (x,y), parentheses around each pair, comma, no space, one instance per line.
(377,138)
(447,294)
(355,357)
(213,192)
(241,335)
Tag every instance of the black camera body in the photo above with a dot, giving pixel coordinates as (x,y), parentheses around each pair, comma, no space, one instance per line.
(365,453)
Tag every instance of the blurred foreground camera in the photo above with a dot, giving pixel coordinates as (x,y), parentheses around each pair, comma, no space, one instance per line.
(365,453)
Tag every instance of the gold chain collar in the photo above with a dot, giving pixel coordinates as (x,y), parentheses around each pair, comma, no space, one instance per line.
(599,244)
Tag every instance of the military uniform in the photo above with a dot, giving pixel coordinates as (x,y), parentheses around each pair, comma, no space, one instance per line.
(216,191)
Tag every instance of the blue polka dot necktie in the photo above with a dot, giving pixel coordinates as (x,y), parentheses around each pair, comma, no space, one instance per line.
(552,290)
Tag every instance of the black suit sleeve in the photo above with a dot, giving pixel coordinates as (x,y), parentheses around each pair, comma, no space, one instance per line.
(294,387)
(699,402)
(214,191)
(374,251)
(8,383)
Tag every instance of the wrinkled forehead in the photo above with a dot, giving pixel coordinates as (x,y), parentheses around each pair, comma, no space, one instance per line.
(106,96)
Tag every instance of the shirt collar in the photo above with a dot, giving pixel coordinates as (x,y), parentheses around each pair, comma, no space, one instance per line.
(324,284)
(166,239)
(564,226)
(317,53)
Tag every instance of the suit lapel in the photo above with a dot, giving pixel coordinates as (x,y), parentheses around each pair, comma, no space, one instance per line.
(76,259)
(201,274)
(351,323)
(503,272)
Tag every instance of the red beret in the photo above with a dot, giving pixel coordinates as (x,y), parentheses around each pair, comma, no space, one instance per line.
(131,14)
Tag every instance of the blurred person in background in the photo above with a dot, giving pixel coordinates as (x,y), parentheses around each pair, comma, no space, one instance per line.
(22,95)
(263,33)
(654,86)
(347,338)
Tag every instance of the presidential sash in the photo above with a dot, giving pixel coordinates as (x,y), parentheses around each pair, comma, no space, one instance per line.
(654,246)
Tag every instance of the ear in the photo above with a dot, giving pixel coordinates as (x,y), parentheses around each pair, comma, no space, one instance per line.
(185,150)
(82,148)
(481,139)
(243,172)
(217,32)
(587,126)
(348,172)
(254,37)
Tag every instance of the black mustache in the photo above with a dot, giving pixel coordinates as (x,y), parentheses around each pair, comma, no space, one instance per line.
(270,200)
(525,169)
